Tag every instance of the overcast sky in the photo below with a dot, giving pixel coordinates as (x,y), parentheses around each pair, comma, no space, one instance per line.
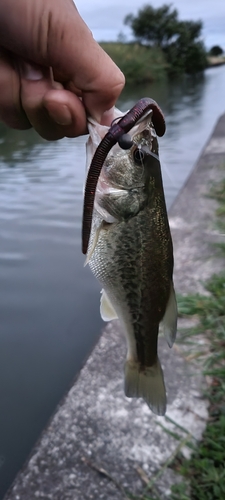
(105,17)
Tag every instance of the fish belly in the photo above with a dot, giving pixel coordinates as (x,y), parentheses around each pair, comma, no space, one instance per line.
(133,262)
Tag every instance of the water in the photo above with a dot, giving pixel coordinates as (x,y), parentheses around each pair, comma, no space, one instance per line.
(49,306)
(191,108)
(49,303)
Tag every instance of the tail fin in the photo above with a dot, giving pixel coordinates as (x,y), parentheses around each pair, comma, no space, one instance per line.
(146,383)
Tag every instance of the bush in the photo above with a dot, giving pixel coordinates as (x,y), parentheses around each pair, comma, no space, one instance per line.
(179,40)
(139,64)
(216,51)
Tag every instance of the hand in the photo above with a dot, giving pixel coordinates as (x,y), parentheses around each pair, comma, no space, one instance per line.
(52,72)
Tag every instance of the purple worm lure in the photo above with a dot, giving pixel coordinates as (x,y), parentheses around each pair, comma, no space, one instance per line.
(116,131)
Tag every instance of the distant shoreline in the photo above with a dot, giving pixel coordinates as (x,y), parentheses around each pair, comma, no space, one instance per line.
(214,61)
(141,64)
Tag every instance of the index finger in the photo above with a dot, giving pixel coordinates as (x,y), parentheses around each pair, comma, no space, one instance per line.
(53,34)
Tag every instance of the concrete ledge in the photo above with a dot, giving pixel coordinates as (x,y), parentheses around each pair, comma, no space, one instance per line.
(192,218)
(99,444)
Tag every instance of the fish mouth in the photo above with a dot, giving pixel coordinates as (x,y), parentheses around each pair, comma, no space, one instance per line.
(116,131)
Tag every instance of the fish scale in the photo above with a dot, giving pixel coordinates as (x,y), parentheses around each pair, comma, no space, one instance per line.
(128,272)
(132,257)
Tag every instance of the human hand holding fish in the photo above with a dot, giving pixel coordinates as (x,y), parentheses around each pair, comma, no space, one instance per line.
(127,238)
(51,69)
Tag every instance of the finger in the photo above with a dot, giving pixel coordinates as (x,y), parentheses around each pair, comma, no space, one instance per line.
(53,34)
(11,112)
(52,112)
(67,110)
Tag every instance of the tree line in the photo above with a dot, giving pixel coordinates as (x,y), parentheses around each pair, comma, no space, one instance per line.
(180,41)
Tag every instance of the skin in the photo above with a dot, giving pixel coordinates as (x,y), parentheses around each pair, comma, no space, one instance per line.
(51,70)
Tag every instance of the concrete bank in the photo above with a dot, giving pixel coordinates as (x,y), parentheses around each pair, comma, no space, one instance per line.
(100,445)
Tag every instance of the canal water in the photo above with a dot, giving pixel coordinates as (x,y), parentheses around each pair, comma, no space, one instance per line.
(49,303)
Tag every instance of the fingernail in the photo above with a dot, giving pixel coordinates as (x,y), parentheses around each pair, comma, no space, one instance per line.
(59,113)
(107,117)
(31,71)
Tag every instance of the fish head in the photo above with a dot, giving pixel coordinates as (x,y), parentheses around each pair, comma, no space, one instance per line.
(132,168)
(121,177)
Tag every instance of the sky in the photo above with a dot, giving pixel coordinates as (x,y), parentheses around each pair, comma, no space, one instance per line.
(105,17)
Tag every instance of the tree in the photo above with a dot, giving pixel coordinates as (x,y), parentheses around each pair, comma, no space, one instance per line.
(216,51)
(179,40)
(187,53)
(154,26)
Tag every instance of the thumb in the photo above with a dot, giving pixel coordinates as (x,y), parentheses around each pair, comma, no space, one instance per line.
(52,33)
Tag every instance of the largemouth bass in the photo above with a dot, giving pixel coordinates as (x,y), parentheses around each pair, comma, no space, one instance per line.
(130,252)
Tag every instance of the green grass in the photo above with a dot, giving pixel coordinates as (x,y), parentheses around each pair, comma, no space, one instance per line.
(138,63)
(204,473)
(218,192)
(206,468)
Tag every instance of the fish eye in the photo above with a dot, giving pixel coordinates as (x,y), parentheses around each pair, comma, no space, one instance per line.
(138,156)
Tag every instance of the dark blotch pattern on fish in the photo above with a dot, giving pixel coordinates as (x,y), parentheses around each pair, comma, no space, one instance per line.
(130,252)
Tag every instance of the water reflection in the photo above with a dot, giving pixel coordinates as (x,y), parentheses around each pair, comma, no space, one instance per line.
(170,94)
(191,107)
(16,145)
(45,294)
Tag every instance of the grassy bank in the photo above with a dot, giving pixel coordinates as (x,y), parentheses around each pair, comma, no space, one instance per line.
(139,64)
(205,471)
(203,475)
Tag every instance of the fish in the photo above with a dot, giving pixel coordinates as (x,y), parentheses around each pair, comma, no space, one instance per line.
(130,252)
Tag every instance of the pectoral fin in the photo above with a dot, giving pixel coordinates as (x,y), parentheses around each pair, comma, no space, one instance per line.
(169,321)
(106,309)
